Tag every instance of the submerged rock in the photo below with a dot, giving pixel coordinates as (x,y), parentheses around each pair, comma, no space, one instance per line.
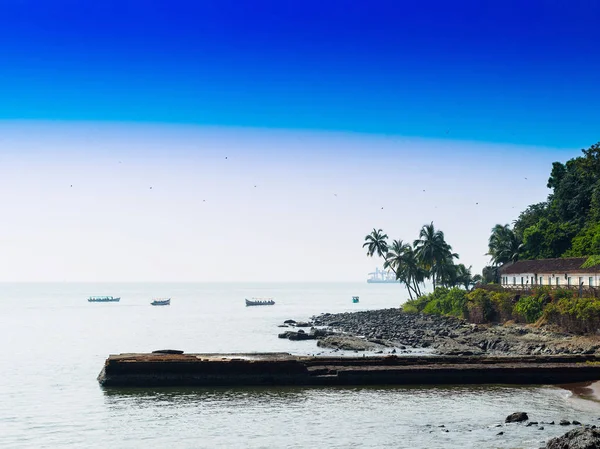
(297,336)
(580,438)
(347,343)
(517,417)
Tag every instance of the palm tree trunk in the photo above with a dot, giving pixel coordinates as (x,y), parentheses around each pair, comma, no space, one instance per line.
(417,289)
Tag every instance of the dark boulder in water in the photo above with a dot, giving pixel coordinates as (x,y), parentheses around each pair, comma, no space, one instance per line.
(517,417)
(167,351)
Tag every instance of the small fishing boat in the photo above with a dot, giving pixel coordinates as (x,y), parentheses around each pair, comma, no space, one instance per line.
(355,299)
(161,302)
(103,299)
(260,302)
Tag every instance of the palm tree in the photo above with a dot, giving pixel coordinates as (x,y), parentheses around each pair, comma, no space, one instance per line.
(434,253)
(414,269)
(490,274)
(376,243)
(399,260)
(464,276)
(503,245)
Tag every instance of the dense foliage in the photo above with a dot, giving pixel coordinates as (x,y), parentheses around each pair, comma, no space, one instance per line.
(566,225)
(429,257)
(561,307)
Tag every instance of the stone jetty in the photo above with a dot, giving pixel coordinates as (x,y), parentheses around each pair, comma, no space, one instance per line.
(173,368)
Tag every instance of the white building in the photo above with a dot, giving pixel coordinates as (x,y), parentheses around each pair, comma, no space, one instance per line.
(565,272)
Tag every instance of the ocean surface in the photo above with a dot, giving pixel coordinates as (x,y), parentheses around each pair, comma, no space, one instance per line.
(55,343)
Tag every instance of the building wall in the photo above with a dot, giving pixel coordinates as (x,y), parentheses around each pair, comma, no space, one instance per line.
(528,279)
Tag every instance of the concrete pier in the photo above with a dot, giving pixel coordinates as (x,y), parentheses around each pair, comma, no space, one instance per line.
(271,369)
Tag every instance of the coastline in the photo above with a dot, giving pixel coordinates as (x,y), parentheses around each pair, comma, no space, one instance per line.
(385,330)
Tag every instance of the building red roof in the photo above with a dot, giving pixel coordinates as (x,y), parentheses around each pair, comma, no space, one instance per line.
(565,265)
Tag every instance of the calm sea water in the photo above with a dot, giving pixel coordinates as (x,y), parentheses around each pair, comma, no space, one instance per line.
(55,343)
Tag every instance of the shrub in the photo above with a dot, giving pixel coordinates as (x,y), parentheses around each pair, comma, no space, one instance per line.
(503,303)
(410,307)
(442,301)
(417,305)
(578,315)
(561,293)
(479,307)
(529,308)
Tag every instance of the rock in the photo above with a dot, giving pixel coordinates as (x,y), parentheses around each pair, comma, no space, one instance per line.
(289,322)
(541,428)
(302,324)
(347,343)
(517,417)
(297,336)
(564,422)
(319,332)
(167,351)
(532,423)
(575,423)
(500,433)
(579,438)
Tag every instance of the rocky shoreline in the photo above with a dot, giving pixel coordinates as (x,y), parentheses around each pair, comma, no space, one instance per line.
(391,330)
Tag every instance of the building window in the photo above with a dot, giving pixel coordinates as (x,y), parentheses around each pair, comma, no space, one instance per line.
(541,278)
(591,282)
(557,281)
(522,280)
(569,281)
(580,281)
(514,280)
(532,280)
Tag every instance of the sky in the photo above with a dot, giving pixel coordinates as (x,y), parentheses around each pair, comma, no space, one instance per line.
(261,141)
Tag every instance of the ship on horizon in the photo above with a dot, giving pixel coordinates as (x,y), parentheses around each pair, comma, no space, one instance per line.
(382,277)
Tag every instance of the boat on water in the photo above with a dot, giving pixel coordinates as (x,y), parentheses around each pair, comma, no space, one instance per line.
(161,301)
(382,277)
(260,302)
(103,299)
(355,299)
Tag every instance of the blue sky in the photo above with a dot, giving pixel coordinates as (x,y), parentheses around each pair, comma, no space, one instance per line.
(341,113)
(514,72)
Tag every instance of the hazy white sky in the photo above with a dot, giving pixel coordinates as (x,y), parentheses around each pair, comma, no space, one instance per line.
(204,219)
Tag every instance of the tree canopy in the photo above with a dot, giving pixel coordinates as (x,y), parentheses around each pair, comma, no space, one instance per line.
(429,257)
(567,224)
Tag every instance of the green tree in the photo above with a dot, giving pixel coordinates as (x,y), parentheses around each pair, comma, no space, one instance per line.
(503,245)
(376,243)
(586,242)
(464,277)
(490,275)
(435,254)
(548,239)
(396,260)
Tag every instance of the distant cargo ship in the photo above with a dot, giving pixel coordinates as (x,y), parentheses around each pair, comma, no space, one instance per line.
(381,277)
